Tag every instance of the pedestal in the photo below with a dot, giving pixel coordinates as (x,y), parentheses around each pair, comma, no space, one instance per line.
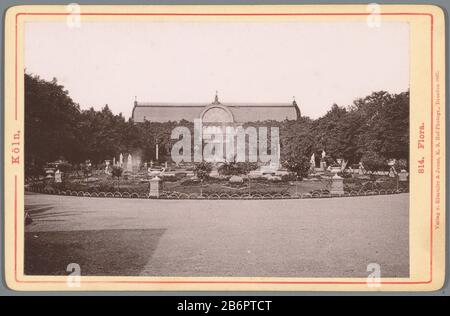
(403,176)
(337,185)
(154,187)
(214,173)
(58,177)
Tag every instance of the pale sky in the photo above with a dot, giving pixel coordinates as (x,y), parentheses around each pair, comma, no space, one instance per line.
(319,63)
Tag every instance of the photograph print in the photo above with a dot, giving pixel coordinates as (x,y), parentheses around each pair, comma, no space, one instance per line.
(217,148)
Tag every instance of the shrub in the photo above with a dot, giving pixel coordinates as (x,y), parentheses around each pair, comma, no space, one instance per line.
(170,178)
(65,167)
(116,172)
(289,177)
(33,171)
(299,165)
(202,170)
(344,174)
(87,170)
(104,187)
(401,164)
(329,161)
(237,168)
(180,175)
(246,166)
(190,182)
(372,161)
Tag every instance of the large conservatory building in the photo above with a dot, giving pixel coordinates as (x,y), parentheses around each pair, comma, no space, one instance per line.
(215,112)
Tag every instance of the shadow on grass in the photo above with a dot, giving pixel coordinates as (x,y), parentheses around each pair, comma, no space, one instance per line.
(109,252)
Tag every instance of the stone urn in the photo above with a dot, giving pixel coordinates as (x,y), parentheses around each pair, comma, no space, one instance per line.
(403,175)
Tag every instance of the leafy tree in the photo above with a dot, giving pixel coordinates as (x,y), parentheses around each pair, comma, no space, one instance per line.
(296,139)
(335,132)
(102,134)
(374,127)
(383,121)
(51,119)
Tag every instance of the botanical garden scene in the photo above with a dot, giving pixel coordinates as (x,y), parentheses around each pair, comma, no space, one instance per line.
(357,149)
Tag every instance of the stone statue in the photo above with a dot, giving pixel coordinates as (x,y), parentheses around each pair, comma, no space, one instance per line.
(129,163)
(312,163)
(58,177)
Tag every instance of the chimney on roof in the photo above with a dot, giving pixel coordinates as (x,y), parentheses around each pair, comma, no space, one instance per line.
(135,100)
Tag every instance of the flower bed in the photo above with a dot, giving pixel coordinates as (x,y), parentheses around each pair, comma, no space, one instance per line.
(219,188)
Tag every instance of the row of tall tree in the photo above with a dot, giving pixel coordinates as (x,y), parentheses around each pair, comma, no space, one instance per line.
(375,127)
(56,128)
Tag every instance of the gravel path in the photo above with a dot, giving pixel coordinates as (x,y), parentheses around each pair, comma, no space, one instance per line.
(335,237)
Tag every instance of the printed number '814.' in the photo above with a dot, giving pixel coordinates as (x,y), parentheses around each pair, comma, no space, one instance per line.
(421,166)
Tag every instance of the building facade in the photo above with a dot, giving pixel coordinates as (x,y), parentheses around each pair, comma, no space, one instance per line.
(215,112)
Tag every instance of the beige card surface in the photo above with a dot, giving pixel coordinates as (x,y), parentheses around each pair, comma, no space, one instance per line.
(225,148)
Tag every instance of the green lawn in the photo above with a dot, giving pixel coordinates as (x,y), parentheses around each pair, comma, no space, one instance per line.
(97,252)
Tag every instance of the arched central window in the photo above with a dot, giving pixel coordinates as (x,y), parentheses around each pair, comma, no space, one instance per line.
(217,114)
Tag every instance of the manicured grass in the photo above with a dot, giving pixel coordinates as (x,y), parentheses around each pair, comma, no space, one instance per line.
(97,252)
